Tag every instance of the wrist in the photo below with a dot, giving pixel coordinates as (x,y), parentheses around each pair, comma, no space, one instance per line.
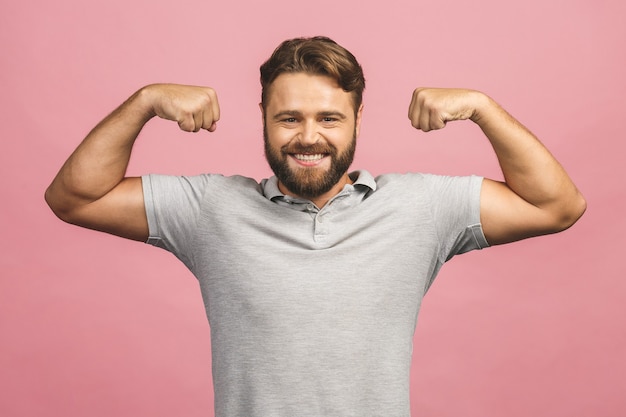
(483,106)
(143,101)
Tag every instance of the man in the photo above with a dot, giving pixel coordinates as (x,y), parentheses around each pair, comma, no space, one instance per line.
(313,279)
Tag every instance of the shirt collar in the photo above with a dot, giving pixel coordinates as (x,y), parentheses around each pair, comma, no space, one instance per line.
(363,182)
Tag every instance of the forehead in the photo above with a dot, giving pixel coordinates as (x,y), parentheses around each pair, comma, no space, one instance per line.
(301,91)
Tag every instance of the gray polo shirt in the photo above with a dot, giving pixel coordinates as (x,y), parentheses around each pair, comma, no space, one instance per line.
(312,311)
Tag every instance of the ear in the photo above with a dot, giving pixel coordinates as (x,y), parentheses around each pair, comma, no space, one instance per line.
(262,111)
(359,114)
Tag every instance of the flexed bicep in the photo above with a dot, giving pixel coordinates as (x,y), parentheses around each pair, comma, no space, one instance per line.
(91,188)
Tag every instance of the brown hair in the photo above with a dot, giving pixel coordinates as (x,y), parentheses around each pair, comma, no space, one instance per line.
(318,55)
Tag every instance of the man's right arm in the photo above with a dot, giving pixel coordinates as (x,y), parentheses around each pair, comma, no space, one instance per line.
(91,189)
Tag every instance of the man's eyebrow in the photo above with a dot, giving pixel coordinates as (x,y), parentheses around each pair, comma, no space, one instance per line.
(287,113)
(337,114)
(296,113)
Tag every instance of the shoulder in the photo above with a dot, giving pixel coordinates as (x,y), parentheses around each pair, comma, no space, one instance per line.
(201,182)
(406,181)
(426,180)
(418,188)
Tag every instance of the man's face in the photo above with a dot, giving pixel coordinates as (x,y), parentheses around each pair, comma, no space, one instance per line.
(310,131)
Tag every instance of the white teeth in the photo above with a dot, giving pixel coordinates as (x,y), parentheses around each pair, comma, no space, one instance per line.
(308,158)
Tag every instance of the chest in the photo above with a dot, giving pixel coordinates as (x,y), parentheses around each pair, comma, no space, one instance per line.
(371,265)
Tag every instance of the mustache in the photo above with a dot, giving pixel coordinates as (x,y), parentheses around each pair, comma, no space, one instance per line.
(308,149)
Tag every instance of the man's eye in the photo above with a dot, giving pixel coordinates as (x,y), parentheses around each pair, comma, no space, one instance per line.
(290,120)
(329,119)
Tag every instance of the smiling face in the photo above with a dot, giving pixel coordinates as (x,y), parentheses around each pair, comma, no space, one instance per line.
(310,130)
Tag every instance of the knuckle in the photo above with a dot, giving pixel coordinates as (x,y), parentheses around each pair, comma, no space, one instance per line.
(186,124)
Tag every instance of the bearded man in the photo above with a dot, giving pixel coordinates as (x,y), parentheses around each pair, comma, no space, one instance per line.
(313,278)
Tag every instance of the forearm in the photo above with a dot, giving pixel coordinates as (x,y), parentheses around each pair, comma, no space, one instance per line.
(100,161)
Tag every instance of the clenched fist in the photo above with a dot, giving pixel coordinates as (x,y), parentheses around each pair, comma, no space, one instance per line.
(192,107)
(432,108)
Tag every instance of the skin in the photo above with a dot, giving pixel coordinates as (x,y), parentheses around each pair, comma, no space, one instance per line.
(91,189)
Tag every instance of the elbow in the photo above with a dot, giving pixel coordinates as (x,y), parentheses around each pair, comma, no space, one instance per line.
(57,206)
(51,201)
(570,212)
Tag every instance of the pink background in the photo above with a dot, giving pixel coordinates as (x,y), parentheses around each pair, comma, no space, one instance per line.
(94,325)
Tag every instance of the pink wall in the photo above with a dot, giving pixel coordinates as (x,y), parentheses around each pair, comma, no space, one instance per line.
(94,325)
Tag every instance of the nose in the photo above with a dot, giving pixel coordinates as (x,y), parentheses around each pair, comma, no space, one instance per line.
(309,133)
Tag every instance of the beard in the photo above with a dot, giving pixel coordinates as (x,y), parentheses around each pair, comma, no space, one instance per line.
(309,182)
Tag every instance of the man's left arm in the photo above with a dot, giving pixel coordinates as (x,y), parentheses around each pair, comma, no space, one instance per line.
(537,196)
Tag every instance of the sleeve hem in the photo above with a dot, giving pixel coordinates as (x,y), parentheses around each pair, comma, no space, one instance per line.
(153,225)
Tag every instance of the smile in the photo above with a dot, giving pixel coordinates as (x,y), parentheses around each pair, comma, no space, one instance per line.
(308,157)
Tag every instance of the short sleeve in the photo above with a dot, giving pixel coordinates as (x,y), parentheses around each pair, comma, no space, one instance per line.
(456,212)
(172,206)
